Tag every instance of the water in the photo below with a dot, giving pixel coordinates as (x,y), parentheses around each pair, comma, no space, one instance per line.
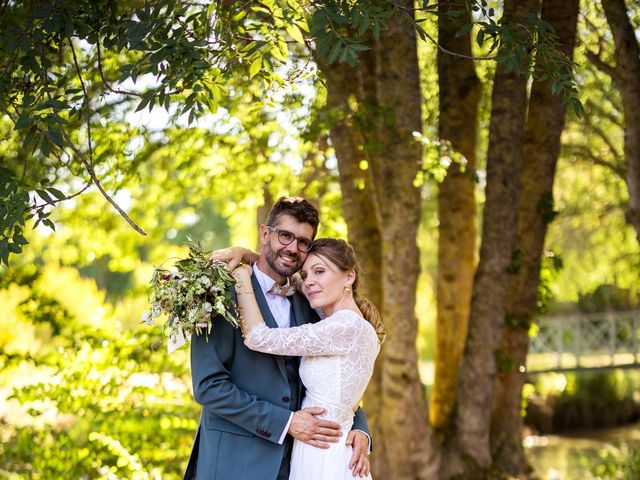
(567,457)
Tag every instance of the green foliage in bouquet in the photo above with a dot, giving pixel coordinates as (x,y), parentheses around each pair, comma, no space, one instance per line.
(191,295)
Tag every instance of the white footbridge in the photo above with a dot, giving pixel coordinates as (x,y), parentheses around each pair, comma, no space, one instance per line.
(585,341)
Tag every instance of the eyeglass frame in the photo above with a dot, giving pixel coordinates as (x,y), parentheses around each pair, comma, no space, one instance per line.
(281,232)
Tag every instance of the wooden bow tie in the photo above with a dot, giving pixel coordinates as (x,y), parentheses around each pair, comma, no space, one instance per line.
(282,290)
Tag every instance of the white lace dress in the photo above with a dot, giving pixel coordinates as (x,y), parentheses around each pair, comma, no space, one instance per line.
(338,356)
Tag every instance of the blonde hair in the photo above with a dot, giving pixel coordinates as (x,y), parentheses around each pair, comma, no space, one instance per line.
(341,254)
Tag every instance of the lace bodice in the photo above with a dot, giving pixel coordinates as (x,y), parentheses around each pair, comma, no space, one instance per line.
(338,356)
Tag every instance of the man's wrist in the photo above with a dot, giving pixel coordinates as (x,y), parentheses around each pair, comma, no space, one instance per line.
(368,439)
(286,430)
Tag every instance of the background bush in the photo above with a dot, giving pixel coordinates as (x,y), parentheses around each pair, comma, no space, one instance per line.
(584,400)
(88,392)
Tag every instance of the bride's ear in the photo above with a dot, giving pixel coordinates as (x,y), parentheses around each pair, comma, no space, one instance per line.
(351,277)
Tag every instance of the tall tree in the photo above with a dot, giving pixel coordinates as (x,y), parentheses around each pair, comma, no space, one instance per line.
(488,303)
(459,89)
(545,122)
(378,106)
(626,76)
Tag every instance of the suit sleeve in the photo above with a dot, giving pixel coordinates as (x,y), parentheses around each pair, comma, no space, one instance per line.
(214,389)
(360,423)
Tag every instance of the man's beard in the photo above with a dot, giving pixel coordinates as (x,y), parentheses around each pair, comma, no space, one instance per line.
(272,258)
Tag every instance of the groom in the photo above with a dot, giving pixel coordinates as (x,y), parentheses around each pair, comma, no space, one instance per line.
(251,400)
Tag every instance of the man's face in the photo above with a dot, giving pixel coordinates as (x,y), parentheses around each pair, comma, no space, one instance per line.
(283,260)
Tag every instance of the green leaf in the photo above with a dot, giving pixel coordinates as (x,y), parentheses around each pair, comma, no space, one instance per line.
(20,240)
(55,137)
(56,193)
(464,30)
(295,33)
(359,47)
(49,224)
(255,67)
(24,120)
(324,43)
(14,248)
(146,98)
(44,146)
(56,104)
(45,196)
(4,252)
(335,51)
(480,38)
(376,30)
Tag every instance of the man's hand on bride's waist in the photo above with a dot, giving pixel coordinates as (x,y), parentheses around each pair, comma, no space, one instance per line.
(308,428)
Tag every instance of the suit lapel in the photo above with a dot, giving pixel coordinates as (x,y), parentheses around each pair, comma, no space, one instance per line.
(301,312)
(297,314)
(262,304)
(268,319)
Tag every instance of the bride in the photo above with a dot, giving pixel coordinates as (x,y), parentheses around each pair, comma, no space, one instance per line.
(338,352)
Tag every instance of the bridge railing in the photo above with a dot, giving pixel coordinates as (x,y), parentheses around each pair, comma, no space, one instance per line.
(585,340)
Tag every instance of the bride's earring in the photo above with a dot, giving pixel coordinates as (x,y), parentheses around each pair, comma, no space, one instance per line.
(347,289)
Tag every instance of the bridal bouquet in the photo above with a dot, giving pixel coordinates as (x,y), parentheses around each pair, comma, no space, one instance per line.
(190,295)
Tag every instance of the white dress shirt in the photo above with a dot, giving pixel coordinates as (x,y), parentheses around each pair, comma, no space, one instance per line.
(280,306)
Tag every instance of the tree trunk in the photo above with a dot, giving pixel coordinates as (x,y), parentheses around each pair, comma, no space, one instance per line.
(359,207)
(544,127)
(460,90)
(405,431)
(382,207)
(627,79)
(488,303)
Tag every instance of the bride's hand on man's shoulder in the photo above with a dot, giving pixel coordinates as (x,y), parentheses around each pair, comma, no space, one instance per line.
(242,271)
(233,256)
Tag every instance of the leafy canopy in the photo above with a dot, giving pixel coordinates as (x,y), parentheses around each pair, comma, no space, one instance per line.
(72,73)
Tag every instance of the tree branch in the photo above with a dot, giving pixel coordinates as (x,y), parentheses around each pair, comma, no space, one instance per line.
(423,33)
(585,152)
(616,120)
(97,183)
(87,106)
(88,162)
(602,65)
(104,80)
(117,90)
(603,136)
(53,202)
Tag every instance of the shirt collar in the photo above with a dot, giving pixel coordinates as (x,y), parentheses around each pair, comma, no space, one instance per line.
(265,281)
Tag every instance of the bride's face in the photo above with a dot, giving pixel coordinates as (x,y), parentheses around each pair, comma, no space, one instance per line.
(323,283)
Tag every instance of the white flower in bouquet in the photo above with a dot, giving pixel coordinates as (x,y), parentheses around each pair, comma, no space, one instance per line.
(190,296)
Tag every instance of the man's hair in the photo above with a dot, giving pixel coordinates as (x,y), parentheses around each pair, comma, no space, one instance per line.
(298,208)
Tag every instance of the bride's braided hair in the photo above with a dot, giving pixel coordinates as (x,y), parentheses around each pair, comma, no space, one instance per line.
(341,254)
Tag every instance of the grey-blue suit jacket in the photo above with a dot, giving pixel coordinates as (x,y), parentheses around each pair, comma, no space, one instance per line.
(245,398)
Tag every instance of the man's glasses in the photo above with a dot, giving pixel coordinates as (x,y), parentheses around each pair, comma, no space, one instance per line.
(287,238)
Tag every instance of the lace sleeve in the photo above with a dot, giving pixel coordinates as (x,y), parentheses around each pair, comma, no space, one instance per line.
(332,336)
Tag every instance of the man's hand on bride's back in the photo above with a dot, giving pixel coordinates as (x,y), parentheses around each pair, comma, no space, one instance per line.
(233,256)
(308,428)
